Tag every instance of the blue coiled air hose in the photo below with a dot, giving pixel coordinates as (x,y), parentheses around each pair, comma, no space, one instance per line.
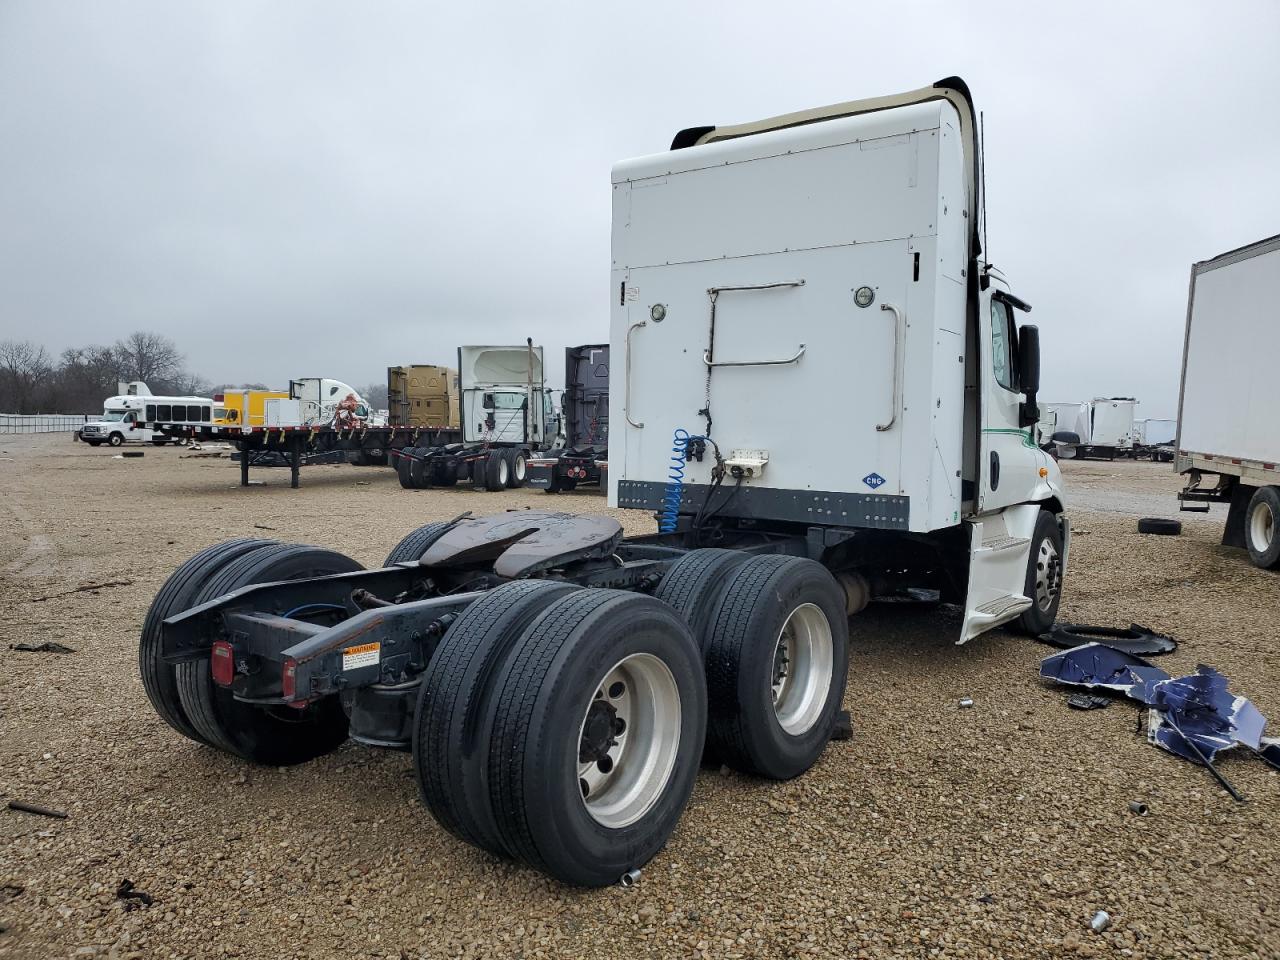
(670,513)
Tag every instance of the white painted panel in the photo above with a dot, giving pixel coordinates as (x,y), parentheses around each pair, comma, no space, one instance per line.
(1231,391)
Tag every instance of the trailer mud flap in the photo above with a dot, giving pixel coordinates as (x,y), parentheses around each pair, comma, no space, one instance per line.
(999,548)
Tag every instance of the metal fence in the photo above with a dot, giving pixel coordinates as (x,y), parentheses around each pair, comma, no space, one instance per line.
(41,422)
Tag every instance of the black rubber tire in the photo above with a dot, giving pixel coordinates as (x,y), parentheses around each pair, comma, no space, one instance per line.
(1263,553)
(454,716)
(694,584)
(1036,620)
(259,734)
(403,465)
(415,544)
(539,703)
(1160,526)
(178,593)
(742,726)
(158,443)
(1137,640)
(94,443)
(420,471)
(445,474)
(497,470)
(115,439)
(518,466)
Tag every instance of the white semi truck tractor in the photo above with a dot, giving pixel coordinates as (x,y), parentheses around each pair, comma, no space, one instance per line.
(557,682)
(1228,443)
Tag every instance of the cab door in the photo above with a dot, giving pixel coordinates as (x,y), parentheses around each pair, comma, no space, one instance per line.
(1009,456)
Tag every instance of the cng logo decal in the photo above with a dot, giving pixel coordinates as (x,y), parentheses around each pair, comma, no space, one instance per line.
(873,480)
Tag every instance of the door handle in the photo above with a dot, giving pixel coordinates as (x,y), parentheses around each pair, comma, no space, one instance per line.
(897,376)
(706,358)
(995,469)
(626,392)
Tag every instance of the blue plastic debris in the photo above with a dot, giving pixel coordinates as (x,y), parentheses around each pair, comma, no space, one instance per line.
(1195,717)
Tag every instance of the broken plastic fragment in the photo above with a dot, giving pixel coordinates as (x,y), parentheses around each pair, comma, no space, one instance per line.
(1201,708)
(1097,665)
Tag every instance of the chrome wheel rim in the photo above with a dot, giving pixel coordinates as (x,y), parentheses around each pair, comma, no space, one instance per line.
(1262,527)
(803,662)
(628,740)
(1048,574)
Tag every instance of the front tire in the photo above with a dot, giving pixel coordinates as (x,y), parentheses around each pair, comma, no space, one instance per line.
(776,664)
(1262,528)
(1044,577)
(116,439)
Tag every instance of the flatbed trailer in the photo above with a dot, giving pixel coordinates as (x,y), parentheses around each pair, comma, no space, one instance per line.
(557,683)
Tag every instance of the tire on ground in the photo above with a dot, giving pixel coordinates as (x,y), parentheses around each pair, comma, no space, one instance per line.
(518,462)
(261,734)
(178,593)
(403,465)
(454,716)
(415,544)
(1044,577)
(552,702)
(694,583)
(497,470)
(776,663)
(1160,526)
(1262,528)
(420,470)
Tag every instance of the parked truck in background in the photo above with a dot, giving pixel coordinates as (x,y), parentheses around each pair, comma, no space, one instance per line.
(557,682)
(1153,439)
(124,418)
(1228,442)
(423,395)
(582,455)
(506,416)
(1100,429)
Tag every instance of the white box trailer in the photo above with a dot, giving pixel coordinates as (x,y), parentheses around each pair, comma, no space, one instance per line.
(1110,426)
(1229,398)
(1154,438)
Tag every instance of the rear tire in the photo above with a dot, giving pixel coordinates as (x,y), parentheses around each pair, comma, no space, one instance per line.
(445,474)
(158,443)
(178,593)
(272,736)
(519,465)
(1044,577)
(454,716)
(576,793)
(403,467)
(420,471)
(694,584)
(497,471)
(1262,528)
(415,544)
(776,664)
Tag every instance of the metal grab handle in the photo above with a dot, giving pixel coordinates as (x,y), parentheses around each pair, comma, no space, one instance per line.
(706,358)
(626,395)
(897,376)
(757,286)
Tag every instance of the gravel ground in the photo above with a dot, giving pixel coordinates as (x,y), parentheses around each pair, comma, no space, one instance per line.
(995,831)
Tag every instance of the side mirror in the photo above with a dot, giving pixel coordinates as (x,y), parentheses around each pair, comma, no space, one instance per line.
(1029,372)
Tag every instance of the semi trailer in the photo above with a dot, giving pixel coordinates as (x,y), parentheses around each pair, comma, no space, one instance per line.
(558,683)
(1228,442)
(582,455)
(1154,438)
(507,416)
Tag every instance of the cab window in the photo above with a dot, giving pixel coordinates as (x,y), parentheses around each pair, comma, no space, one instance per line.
(1002,341)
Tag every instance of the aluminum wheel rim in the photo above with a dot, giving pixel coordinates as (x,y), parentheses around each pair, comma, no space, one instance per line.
(1262,527)
(620,778)
(803,662)
(1048,574)
(504,471)
(520,467)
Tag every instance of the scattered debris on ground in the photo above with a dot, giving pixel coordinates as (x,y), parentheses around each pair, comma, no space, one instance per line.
(49,646)
(1138,640)
(87,588)
(37,809)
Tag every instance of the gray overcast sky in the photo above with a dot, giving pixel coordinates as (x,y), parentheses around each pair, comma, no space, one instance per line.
(293,189)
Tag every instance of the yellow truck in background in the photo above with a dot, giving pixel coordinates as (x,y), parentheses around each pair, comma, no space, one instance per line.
(244,408)
(423,395)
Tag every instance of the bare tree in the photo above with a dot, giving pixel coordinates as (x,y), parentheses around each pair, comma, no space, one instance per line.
(24,372)
(376,395)
(150,357)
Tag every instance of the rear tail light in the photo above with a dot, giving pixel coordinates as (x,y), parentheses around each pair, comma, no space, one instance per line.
(222,661)
(289,679)
(219,398)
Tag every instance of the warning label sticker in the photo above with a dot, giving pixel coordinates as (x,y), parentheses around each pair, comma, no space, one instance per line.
(365,655)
